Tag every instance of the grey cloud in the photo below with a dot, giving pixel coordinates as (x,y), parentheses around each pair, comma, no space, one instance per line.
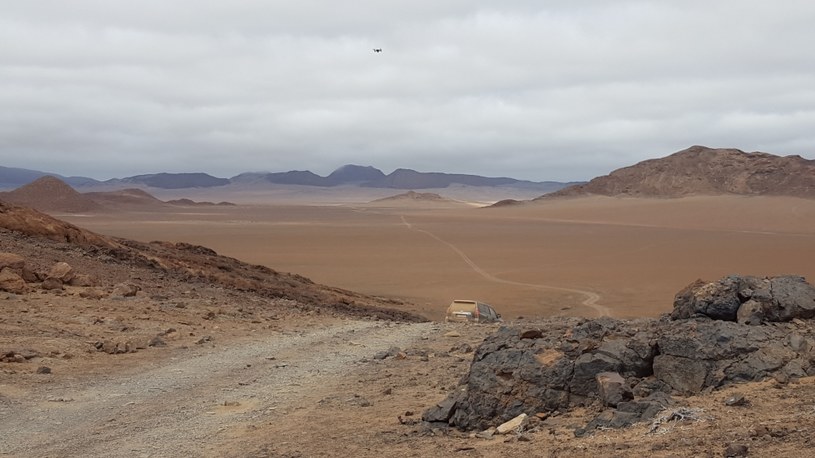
(539,90)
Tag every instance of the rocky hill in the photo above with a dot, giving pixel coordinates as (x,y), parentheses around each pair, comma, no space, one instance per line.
(129,197)
(700,170)
(50,194)
(415,196)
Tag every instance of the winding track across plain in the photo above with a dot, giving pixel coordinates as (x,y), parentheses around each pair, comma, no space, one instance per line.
(590,300)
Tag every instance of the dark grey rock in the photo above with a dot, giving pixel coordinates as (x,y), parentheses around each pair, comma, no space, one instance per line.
(442,411)
(747,299)
(792,297)
(684,375)
(613,389)
(736,451)
(586,368)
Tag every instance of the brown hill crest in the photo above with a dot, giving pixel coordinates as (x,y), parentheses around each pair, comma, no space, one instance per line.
(50,194)
(700,170)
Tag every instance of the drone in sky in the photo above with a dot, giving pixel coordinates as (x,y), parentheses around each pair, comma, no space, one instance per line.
(377,49)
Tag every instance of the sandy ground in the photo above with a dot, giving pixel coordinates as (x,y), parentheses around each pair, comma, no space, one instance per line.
(242,375)
(626,257)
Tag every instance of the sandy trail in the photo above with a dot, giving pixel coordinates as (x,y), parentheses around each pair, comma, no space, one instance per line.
(590,300)
(186,405)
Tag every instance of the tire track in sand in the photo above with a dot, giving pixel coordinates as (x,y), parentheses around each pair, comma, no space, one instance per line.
(590,300)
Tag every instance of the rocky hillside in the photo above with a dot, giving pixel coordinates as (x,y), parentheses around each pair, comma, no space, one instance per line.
(38,237)
(734,330)
(699,170)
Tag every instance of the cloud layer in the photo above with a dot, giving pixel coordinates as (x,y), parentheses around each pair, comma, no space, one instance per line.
(538,90)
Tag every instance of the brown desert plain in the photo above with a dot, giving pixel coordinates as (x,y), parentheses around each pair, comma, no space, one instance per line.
(247,361)
(588,256)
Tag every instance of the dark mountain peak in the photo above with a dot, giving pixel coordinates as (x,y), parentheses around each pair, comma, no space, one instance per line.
(700,170)
(348,174)
(301,177)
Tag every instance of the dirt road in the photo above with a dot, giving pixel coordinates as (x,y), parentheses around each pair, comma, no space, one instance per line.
(590,300)
(186,405)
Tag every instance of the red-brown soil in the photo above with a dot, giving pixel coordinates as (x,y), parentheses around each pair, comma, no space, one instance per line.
(541,258)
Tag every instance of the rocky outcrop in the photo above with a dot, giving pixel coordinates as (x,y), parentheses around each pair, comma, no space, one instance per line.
(633,367)
(746,299)
(15,276)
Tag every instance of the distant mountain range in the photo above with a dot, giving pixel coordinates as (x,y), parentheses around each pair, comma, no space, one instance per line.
(700,170)
(365,176)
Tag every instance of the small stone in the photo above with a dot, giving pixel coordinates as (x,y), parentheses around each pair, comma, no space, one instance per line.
(51,283)
(511,425)
(125,290)
(452,334)
(531,334)
(486,434)
(93,293)
(736,450)
(736,400)
(82,280)
(157,342)
(43,370)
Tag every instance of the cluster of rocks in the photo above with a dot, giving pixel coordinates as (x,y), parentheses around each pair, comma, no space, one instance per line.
(17,356)
(17,278)
(733,330)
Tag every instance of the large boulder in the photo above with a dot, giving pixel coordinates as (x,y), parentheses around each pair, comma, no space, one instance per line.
(747,299)
(13,261)
(16,263)
(11,281)
(62,271)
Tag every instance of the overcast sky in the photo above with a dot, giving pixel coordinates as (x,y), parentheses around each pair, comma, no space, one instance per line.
(540,90)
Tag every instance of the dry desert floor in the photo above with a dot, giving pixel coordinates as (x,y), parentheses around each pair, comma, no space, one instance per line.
(586,256)
(242,375)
